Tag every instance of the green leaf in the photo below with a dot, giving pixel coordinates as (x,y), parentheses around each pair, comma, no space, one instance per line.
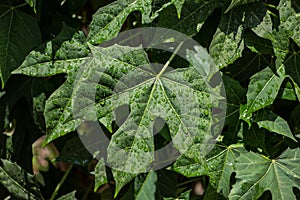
(193,16)
(147,187)
(32,3)
(289,20)
(151,96)
(236,96)
(69,196)
(108,20)
(256,173)
(12,177)
(100,174)
(262,91)
(235,3)
(178,4)
(227,44)
(274,123)
(292,61)
(218,166)
(182,196)
(74,152)
(254,138)
(67,59)
(19,34)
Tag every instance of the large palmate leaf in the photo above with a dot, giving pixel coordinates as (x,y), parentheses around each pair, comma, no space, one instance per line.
(13,178)
(172,95)
(256,173)
(19,34)
(218,166)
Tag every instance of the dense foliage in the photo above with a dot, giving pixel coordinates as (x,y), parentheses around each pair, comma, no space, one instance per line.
(47,46)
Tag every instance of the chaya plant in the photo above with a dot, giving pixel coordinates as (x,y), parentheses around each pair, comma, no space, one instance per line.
(126,107)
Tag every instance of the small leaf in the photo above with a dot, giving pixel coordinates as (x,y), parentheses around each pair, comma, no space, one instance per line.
(69,196)
(147,188)
(100,174)
(32,3)
(274,123)
(256,173)
(182,196)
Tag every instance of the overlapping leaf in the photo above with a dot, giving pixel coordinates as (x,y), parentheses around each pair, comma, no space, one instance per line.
(235,3)
(218,166)
(234,100)
(108,21)
(192,17)
(262,91)
(256,174)
(13,178)
(145,188)
(19,34)
(100,174)
(274,123)
(69,196)
(228,42)
(68,59)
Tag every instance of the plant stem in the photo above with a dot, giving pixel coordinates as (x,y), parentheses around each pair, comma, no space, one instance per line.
(270,5)
(21,5)
(61,182)
(170,59)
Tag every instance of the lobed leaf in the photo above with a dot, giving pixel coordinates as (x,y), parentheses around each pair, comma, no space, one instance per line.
(13,178)
(262,91)
(256,173)
(19,34)
(274,123)
(218,166)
